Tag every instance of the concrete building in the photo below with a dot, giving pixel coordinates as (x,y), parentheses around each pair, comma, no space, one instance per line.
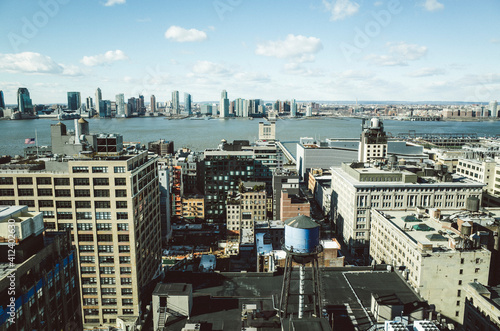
(161,147)
(193,207)
(121,110)
(283,179)
(187,103)
(111,204)
(39,281)
(292,205)
(373,143)
(482,171)
(164,178)
(176,108)
(357,188)
(267,131)
(152,104)
(98,99)
(74,101)
(244,208)
(171,301)
(438,259)
(223,105)
(482,307)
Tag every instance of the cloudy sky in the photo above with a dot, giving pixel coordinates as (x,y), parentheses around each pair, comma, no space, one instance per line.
(439,50)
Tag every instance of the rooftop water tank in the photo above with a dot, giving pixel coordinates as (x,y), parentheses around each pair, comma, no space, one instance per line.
(301,235)
(472,204)
(375,123)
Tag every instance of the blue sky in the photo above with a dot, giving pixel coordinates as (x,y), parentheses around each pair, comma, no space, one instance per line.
(436,50)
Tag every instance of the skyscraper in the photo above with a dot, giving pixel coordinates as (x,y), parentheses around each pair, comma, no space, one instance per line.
(74,101)
(187,103)
(293,109)
(142,107)
(2,100)
(24,103)
(89,103)
(224,105)
(120,105)
(175,103)
(153,103)
(494,108)
(98,99)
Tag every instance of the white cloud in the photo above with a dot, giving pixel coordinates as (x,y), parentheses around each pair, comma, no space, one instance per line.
(433,5)
(110,3)
(378,3)
(210,68)
(299,48)
(427,72)
(399,54)
(106,58)
(35,63)
(341,9)
(495,41)
(181,35)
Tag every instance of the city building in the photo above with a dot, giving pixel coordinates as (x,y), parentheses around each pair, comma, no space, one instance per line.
(283,179)
(223,105)
(111,204)
(293,109)
(39,281)
(245,207)
(121,111)
(89,105)
(373,143)
(165,205)
(356,188)
(24,103)
(482,307)
(206,109)
(482,171)
(161,147)
(176,109)
(187,103)
(494,109)
(74,101)
(193,207)
(267,131)
(2,100)
(438,258)
(98,99)
(292,205)
(152,104)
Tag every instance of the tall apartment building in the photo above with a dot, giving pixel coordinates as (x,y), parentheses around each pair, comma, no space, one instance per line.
(481,171)
(244,208)
(438,259)
(39,282)
(373,144)
(357,188)
(112,206)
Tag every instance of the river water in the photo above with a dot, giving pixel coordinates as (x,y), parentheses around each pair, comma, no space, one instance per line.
(201,134)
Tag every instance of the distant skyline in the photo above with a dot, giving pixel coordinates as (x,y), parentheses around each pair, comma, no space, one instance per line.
(436,50)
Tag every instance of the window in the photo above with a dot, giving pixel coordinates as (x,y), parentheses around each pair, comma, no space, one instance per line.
(45,203)
(124,249)
(86,215)
(460,282)
(44,181)
(63,193)
(87,259)
(85,237)
(126,291)
(459,293)
(80,170)
(61,181)
(88,270)
(89,290)
(86,248)
(82,193)
(82,204)
(121,193)
(101,181)
(63,204)
(64,215)
(29,203)
(50,225)
(127,302)
(107,270)
(103,226)
(101,193)
(128,311)
(25,192)
(6,181)
(462,261)
(125,270)
(121,204)
(24,181)
(105,248)
(126,281)
(102,204)
(65,226)
(99,170)
(124,259)
(103,215)
(9,192)
(104,237)
(119,170)
(81,181)
(120,181)
(106,259)
(108,280)
(122,215)
(48,214)
(461,271)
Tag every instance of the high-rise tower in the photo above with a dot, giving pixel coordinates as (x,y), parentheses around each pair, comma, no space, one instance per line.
(24,103)
(74,101)
(175,103)
(153,103)
(120,105)
(2,100)
(98,99)
(224,105)
(187,103)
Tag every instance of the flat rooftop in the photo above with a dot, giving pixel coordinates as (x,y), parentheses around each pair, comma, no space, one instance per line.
(218,298)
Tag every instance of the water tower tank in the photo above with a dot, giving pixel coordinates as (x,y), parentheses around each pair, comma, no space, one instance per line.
(472,204)
(375,123)
(301,235)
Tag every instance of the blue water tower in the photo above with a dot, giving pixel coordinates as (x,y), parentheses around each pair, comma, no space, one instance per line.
(302,246)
